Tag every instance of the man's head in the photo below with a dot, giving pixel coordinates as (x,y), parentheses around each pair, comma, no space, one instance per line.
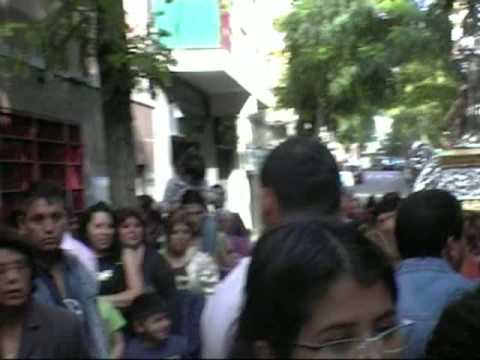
(151,318)
(16,270)
(192,167)
(430,224)
(45,217)
(219,200)
(195,207)
(145,203)
(351,208)
(299,177)
(385,213)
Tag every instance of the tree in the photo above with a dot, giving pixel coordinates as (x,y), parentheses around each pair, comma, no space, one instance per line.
(351,60)
(99,25)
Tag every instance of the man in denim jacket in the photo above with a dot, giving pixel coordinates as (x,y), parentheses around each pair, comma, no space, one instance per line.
(429,234)
(61,280)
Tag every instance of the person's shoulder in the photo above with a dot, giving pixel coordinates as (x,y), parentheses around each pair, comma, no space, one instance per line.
(70,242)
(54,315)
(81,273)
(235,281)
(199,257)
(153,256)
(133,348)
(462,284)
(178,343)
(175,347)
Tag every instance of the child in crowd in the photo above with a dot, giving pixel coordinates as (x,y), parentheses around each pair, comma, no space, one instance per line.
(151,324)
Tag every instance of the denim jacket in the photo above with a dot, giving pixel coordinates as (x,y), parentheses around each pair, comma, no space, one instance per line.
(81,288)
(426,287)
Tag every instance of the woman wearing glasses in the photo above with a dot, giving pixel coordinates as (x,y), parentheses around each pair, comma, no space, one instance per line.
(318,290)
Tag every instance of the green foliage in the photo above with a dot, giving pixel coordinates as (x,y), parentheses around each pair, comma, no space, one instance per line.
(355,59)
(75,21)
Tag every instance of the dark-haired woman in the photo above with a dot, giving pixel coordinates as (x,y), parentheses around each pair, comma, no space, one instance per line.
(194,270)
(120,280)
(319,291)
(159,277)
(157,274)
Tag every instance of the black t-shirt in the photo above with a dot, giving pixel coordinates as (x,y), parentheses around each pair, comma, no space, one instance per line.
(157,274)
(111,275)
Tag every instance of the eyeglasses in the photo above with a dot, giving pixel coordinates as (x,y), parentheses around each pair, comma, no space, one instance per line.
(388,344)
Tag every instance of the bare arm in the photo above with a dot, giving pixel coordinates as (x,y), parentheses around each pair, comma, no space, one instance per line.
(118,345)
(132,266)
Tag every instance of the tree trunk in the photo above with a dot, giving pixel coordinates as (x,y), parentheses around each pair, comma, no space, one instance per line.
(309,125)
(117,85)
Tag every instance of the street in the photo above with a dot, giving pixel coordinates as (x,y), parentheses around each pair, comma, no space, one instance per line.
(381,182)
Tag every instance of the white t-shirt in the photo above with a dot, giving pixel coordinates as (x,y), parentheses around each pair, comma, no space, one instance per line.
(221,312)
(83,253)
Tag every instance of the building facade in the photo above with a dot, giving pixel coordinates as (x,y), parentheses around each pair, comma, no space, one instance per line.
(50,122)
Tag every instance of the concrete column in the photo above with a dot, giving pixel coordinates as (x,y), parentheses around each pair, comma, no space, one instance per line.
(163,123)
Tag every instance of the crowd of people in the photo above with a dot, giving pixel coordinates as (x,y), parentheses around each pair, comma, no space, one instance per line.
(329,278)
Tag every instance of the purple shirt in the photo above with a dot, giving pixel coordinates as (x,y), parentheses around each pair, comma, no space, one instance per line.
(176,347)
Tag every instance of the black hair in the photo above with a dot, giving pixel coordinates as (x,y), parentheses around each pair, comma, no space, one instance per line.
(14,219)
(371,203)
(389,203)
(11,240)
(304,176)
(191,197)
(191,164)
(177,217)
(124,214)
(100,207)
(147,305)
(456,334)
(145,202)
(45,190)
(425,222)
(292,267)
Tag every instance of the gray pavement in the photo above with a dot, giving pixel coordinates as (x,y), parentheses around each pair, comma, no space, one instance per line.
(381,182)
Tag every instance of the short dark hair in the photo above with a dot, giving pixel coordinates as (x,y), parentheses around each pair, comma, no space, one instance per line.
(145,202)
(177,217)
(124,214)
(456,335)
(304,176)
(425,222)
(147,305)
(192,165)
(14,219)
(389,203)
(296,265)
(191,197)
(11,240)
(46,190)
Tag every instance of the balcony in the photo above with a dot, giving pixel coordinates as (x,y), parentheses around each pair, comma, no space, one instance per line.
(209,55)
